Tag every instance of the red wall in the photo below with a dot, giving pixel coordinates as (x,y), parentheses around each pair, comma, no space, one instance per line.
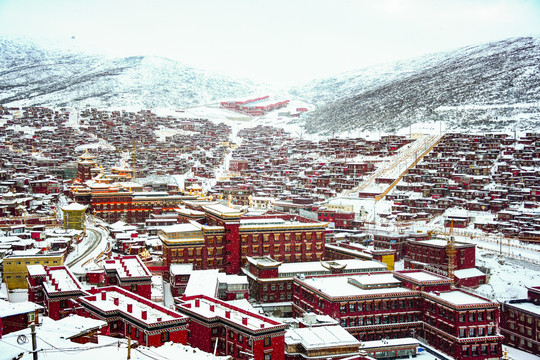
(200,336)
(14,323)
(277,345)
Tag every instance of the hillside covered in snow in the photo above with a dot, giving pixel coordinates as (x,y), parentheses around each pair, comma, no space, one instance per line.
(33,75)
(488,87)
(493,86)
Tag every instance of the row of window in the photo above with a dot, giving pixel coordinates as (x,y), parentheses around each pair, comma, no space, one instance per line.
(477,350)
(28,262)
(280,287)
(376,320)
(522,317)
(282,297)
(462,316)
(474,332)
(281,237)
(523,343)
(377,305)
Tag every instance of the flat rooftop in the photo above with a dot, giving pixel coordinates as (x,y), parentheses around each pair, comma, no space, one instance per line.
(320,337)
(457,297)
(527,306)
(375,279)
(323,267)
(336,286)
(422,276)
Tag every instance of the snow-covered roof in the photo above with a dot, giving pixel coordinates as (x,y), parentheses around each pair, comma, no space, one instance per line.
(458,297)
(422,276)
(323,267)
(181,269)
(114,299)
(339,286)
(74,207)
(60,279)
(388,342)
(311,338)
(212,308)
(222,209)
(265,221)
(232,279)
(9,309)
(526,306)
(127,267)
(51,335)
(71,325)
(468,273)
(36,270)
(184,227)
(370,280)
(203,282)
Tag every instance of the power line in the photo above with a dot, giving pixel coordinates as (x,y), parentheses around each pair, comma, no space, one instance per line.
(19,347)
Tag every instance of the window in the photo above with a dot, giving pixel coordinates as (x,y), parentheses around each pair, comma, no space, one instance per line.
(133,287)
(484,349)
(267,341)
(164,337)
(267,356)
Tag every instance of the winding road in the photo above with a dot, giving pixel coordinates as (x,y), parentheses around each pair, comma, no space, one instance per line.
(95,236)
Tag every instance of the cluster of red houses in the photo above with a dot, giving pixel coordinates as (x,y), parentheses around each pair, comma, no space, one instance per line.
(271,163)
(254,107)
(494,173)
(365,299)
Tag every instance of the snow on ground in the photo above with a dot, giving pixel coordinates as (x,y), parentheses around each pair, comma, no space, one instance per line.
(509,277)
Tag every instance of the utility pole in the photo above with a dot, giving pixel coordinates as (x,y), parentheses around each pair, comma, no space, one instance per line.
(34,341)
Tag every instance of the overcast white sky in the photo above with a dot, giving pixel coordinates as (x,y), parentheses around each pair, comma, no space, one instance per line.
(275,41)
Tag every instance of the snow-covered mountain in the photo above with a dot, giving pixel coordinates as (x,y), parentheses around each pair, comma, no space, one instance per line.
(35,75)
(485,87)
(493,86)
